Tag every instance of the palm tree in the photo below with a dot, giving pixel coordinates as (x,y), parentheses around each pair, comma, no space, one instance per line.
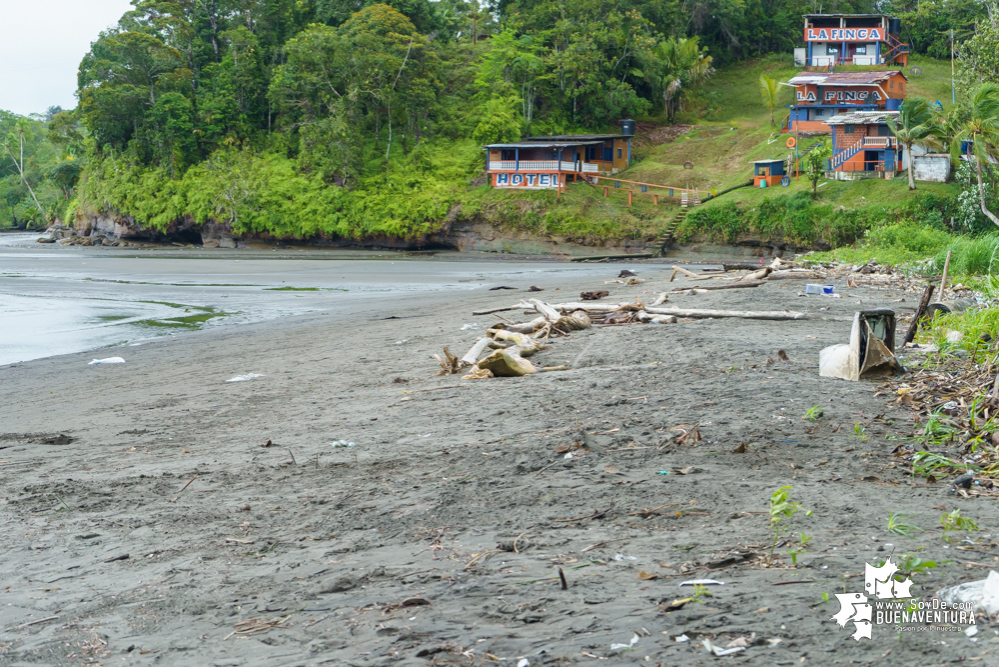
(770,90)
(676,65)
(982,129)
(22,131)
(916,126)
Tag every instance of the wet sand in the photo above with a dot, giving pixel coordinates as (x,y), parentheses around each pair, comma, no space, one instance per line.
(367,555)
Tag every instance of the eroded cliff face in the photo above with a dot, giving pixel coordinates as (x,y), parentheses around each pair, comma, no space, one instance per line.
(474,234)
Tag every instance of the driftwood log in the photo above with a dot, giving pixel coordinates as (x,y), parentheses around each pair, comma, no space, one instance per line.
(743,314)
(734,285)
(914,325)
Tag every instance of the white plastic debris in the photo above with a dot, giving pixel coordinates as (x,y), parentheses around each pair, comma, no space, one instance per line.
(245,378)
(984,593)
(874,330)
(400,342)
(466,327)
(568,456)
(702,582)
(524,662)
(954,336)
(341,443)
(620,557)
(682,638)
(634,640)
(109,360)
(718,650)
(971,631)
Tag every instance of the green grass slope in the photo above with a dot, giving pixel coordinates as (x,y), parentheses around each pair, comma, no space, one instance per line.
(731,127)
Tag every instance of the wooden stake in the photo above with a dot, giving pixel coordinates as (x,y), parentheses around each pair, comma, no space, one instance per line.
(910,335)
(605,191)
(655,200)
(629,197)
(943,281)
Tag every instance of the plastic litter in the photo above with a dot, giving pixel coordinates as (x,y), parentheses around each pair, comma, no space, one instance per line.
(984,593)
(718,650)
(682,638)
(871,351)
(245,378)
(971,630)
(524,662)
(623,557)
(109,360)
(702,582)
(466,327)
(819,289)
(341,443)
(401,342)
(634,640)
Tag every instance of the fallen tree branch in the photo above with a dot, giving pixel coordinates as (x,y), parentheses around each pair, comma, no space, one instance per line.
(744,314)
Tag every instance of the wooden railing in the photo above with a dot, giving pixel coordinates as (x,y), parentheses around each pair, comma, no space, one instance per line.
(544,165)
(684,194)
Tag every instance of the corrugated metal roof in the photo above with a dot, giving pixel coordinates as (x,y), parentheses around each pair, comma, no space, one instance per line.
(862,118)
(843,78)
(578,137)
(543,144)
(845,16)
(776,159)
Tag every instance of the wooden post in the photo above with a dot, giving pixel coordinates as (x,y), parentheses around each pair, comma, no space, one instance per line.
(629,197)
(911,333)
(655,200)
(605,191)
(942,294)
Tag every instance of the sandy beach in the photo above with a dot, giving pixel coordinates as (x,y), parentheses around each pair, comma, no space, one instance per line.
(147,521)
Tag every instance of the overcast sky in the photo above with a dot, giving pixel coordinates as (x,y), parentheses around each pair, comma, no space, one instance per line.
(41,46)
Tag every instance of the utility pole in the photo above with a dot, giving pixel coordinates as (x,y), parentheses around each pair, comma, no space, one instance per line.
(953,95)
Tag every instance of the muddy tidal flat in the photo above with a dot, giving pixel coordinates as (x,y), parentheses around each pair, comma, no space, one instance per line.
(154,513)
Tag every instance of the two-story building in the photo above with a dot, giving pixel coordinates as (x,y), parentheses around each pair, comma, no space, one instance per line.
(820,96)
(556,161)
(853,39)
(863,146)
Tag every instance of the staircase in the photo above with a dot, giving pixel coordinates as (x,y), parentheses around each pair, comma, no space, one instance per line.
(810,148)
(895,49)
(666,237)
(846,154)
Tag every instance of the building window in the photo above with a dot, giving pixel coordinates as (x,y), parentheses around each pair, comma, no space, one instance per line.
(862,50)
(508,154)
(619,154)
(848,129)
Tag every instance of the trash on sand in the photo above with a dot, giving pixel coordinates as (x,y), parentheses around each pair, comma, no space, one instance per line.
(718,650)
(244,378)
(818,289)
(950,306)
(702,582)
(341,443)
(634,640)
(984,593)
(663,472)
(871,350)
(524,662)
(466,327)
(971,631)
(109,360)
(681,638)
(402,342)
(954,336)
(620,557)
(594,295)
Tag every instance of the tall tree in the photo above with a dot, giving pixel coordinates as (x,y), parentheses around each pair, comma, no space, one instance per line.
(916,126)
(15,142)
(675,67)
(981,129)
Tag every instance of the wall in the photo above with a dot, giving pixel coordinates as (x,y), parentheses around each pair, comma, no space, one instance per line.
(931,168)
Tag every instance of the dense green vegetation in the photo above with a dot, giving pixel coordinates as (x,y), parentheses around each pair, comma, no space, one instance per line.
(348,118)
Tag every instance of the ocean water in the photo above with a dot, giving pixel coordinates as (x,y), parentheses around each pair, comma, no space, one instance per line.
(65,299)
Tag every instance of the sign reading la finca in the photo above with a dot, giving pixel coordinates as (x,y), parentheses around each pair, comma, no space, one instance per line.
(844,35)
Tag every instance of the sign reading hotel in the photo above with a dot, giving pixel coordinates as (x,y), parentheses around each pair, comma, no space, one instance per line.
(844,35)
(526,180)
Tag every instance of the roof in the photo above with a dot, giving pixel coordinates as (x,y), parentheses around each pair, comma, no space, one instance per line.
(542,144)
(843,78)
(776,159)
(578,137)
(845,16)
(862,118)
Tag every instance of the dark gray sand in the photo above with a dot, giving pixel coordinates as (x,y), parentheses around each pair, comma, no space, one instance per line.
(161,523)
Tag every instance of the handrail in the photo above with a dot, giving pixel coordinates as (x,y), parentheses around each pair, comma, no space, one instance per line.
(650,185)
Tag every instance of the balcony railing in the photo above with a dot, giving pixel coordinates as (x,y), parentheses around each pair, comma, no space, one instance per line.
(543,165)
(879,142)
(872,165)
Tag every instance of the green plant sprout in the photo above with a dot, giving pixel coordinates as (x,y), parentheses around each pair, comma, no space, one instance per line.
(783,508)
(859,431)
(899,527)
(954,522)
(813,413)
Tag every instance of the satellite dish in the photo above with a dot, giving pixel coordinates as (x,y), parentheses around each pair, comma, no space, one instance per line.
(915,70)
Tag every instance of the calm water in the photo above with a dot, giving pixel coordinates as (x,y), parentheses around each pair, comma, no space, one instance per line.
(58,300)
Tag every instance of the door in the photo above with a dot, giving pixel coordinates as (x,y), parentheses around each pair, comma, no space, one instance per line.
(608,154)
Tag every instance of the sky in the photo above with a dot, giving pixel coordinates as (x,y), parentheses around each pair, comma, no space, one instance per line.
(42,44)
